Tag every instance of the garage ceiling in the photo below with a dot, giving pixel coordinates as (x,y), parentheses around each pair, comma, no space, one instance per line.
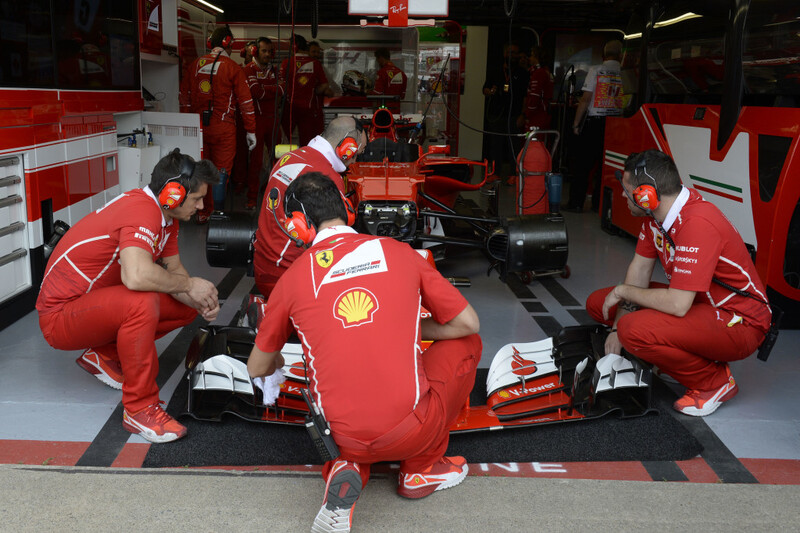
(539,14)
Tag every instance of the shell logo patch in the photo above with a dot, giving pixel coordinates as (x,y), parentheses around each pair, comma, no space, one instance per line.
(205,86)
(173,199)
(303,80)
(324,258)
(355,307)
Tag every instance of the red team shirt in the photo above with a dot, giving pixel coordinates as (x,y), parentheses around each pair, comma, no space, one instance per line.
(87,257)
(355,302)
(391,81)
(263,83)
(707,245)
(301,79)
(227,88)
(276,251)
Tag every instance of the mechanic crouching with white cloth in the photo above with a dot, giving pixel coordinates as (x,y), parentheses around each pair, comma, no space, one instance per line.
(115,283)
(714,309)
(354,301)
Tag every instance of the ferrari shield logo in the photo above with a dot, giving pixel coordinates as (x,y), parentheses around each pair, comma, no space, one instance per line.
(390,74)
(284,159)
(355,307)
(202,62)
(324,258)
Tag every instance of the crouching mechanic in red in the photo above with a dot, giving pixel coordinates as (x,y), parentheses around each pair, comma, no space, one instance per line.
(115,283)
(330,153)
(355,302)
(714,309)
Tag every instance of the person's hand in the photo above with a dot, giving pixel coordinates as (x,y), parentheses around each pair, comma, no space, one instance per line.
(204,293)
(251,141)
(611,300)
(210,314)
(612,343)
(576,130)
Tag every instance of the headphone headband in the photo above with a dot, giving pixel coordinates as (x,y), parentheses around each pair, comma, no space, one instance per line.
(174,191)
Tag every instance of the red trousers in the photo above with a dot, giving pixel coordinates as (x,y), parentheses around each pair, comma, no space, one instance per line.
(121,323)
(219,145)
(264,125)
(693,349)
(422,438)
(309,122)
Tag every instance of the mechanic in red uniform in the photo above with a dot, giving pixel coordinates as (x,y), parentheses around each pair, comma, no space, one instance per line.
(305,82)
(273,251)
(221,94)
(262,79)
(693,327)
(354,301)
(389,80)
(536,108)
(115,283)
(242,159)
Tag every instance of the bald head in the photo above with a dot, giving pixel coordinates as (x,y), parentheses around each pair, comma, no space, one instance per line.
(342,127)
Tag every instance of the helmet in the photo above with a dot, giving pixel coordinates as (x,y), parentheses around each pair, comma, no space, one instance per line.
(354,83)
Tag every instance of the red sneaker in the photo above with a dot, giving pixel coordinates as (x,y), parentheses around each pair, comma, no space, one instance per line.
(103,368)
(703,403)
(153,424)
(448,472)
(341,492)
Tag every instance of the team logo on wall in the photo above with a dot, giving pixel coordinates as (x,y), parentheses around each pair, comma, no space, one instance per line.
(355,307)
(324,258)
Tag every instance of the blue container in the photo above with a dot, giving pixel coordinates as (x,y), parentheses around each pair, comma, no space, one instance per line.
(553,181)
(219,189)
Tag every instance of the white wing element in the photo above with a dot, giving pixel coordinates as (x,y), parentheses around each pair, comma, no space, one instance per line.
(616,372)
(222,372)
(513,359)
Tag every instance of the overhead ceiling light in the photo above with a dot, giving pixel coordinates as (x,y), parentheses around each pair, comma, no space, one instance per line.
(661,24)
(212,6)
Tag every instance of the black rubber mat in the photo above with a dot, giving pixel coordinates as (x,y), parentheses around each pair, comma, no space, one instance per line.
(236,442)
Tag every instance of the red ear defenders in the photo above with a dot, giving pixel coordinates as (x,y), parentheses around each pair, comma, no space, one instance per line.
(226,41)
(297,226)
(348,147)
(173,192)
(645,195)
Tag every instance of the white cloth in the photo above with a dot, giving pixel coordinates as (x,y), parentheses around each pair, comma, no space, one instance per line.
(321,145)
(270,386)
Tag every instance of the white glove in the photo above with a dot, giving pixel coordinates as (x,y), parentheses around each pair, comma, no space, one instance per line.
(251,141)
(270,386)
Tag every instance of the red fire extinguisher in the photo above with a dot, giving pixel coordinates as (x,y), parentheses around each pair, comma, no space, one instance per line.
(534,162)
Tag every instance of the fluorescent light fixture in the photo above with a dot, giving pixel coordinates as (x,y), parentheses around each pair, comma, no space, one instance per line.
(212,6)
(668,22)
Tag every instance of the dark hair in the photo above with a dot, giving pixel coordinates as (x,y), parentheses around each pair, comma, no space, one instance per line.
(316,195)
(314,43)
(192,173)
(300,42)
(263,40)
(218,35)
(383,52)
(658,165)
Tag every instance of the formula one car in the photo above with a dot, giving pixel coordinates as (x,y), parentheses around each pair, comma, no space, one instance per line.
(556,379)
(411,196)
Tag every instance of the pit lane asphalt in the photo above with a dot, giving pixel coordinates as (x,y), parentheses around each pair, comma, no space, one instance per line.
(41,498)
